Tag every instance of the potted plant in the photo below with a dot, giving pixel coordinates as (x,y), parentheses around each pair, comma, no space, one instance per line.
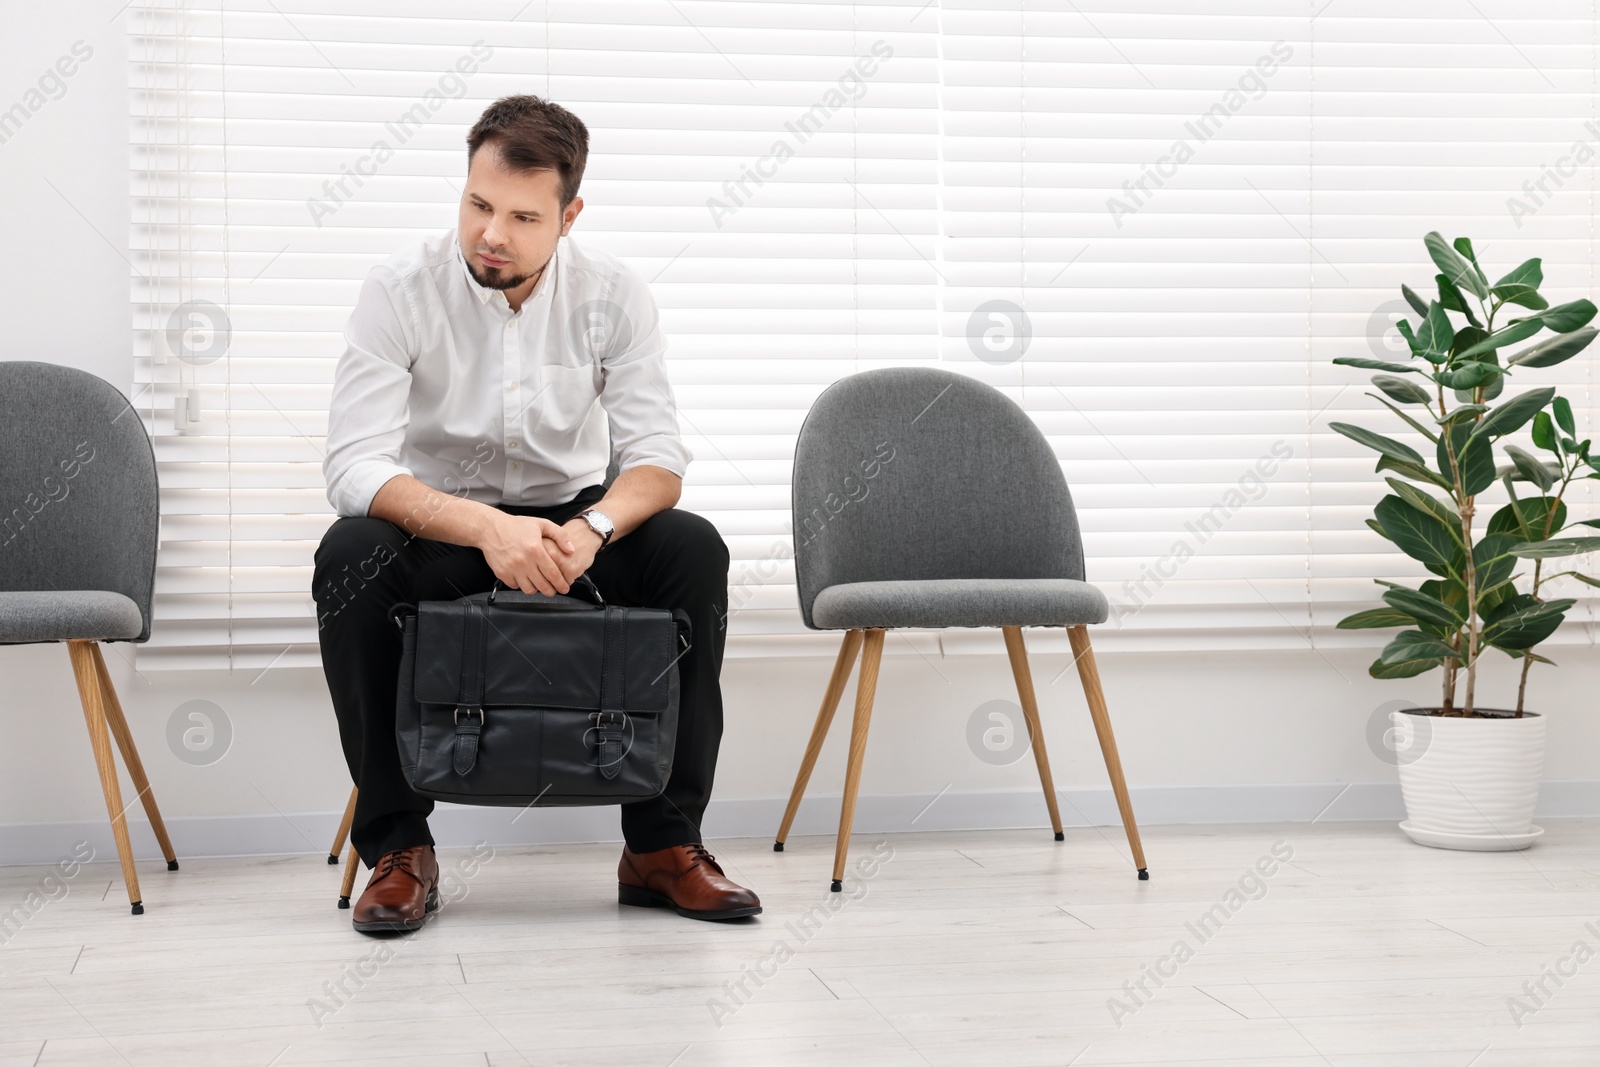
(1476,780)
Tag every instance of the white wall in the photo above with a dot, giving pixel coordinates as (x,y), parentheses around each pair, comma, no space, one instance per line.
(1216,737)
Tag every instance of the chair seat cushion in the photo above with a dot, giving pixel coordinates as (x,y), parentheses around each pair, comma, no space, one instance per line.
(71,615)
(960,602)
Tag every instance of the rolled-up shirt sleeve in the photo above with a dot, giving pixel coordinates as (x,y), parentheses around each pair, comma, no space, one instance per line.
(370,407)
(635,393)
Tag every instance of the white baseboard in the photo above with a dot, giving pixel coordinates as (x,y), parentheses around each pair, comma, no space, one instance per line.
(312,832)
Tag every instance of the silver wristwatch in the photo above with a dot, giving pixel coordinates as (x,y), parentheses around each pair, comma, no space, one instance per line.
(600,523)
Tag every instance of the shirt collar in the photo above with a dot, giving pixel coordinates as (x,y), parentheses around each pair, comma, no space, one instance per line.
(485,294)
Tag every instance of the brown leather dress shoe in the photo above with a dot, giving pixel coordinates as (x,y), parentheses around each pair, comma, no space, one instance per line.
(402,892)
(685,878)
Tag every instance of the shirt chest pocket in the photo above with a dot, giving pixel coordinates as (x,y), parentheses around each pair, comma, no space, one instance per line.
(566,397)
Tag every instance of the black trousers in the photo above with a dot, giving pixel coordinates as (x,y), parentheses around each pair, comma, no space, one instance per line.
(364,566)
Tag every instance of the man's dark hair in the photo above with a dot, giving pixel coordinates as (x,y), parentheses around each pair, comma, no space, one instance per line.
(534,134)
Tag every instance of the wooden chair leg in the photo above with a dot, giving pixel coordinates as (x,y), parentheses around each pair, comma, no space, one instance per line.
(1083,654)
(130,755)
(351,865)
(94,714)
(344,829)
(1018,652)
(866,686)
(819,732)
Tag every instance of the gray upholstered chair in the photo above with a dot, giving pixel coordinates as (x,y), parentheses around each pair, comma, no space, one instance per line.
(927,498)
(78,551)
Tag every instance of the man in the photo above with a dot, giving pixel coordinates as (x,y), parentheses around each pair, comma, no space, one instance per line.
(468,441)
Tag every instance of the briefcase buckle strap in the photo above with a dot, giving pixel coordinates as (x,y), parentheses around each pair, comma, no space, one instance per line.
(610,730)
(467,734)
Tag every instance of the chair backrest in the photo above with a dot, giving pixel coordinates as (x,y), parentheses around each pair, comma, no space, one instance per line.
(917,473)
(78,503)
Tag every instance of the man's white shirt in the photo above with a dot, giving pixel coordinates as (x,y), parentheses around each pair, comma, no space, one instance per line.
(440,380)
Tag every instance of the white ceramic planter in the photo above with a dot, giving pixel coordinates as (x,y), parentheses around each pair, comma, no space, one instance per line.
(1470,783)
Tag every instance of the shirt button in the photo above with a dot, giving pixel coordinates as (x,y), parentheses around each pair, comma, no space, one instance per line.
(511,385)
(515,465)
(511,444)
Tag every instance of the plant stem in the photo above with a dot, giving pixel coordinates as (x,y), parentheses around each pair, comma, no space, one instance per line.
(1467,511)
(1449,703)
(1538,567)
(1468,508)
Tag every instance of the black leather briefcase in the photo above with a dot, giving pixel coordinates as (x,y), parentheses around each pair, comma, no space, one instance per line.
(515,699)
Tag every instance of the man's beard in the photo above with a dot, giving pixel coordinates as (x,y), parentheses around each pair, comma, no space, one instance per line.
(495,278)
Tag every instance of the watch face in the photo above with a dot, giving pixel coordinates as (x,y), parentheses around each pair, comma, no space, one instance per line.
(601,523)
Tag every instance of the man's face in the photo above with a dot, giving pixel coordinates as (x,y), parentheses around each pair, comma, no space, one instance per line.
(510,220)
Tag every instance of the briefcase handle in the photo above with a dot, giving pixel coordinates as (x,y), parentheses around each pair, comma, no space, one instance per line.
(582,580)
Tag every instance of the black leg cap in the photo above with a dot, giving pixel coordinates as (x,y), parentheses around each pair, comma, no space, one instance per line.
(1060,836)
(777,846)
(333,861)
(1144,875)
(344,903)
(138,907)
(836,887)
(172,865)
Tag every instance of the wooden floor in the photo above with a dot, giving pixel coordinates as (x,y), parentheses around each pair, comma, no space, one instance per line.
(961,949)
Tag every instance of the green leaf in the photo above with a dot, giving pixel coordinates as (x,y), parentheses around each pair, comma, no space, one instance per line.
(1530,468)
(1419,534)
(1436,334)
(1449,295)
(1450,590)
(1445,513)
(1523,621)
(1526,519)
(1466,337)
(1424,608)
(1544,434)
(1374,364)
(1404,669)
(1521,286)
(1492,560)
(1409,421)
(1476,458)
(1520,330)
(1526,295)
(1406,392)
(1464,246)
(1454,267)
(1468,375)
(1416,472)
(1465,411)
(1387,445)
(1452,300)
(1562,408)
(1513,414)
(1374,619)
(1556,350)
(1527,273)
(1553,549)
(1418,305)
(1489,599)
(1416,645)
(1378,529)
(1564,318)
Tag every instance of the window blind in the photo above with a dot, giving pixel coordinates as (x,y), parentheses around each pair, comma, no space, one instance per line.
(1153,228)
